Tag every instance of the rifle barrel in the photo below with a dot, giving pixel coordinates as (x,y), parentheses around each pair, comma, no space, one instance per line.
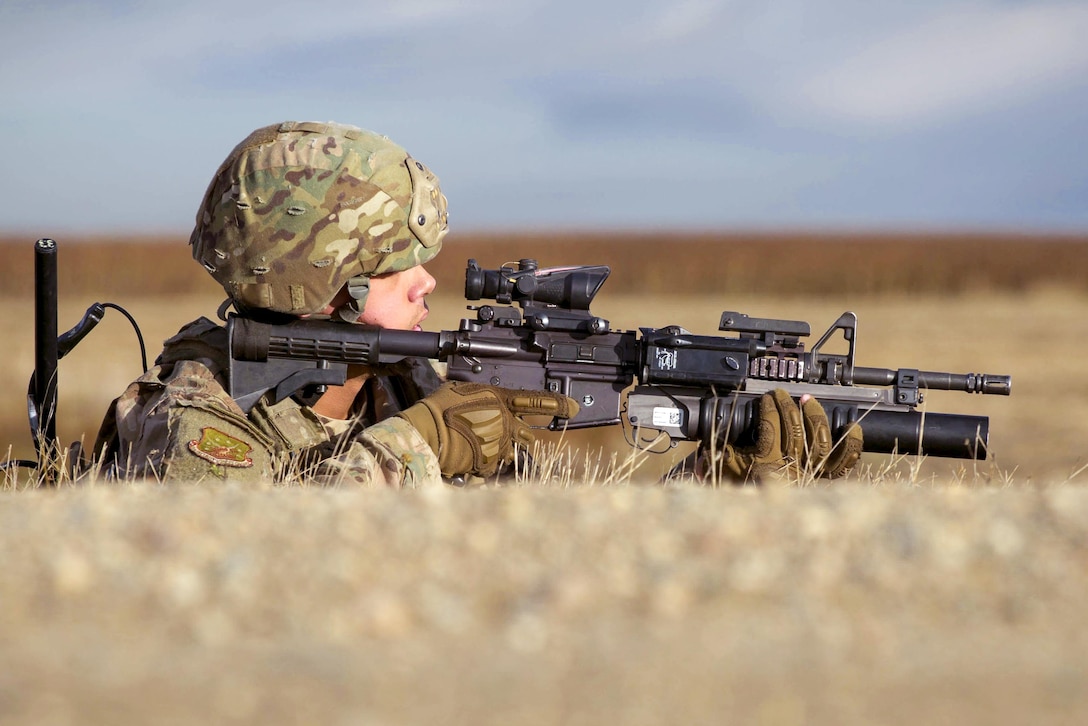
(938,381)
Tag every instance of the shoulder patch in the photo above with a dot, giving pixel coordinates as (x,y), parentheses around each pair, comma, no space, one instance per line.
(221,448)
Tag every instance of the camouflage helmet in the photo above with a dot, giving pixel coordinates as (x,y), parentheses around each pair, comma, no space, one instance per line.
(298,210)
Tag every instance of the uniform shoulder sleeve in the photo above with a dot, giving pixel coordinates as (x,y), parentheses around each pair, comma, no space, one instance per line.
(177,423)
(391,453)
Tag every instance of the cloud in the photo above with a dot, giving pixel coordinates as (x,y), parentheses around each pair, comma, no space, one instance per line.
(960,61)
(110,49)
(533,111)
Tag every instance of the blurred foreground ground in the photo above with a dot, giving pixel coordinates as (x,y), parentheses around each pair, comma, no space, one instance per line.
(634,605)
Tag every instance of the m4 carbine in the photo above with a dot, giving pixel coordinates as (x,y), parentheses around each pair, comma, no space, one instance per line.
(691,387)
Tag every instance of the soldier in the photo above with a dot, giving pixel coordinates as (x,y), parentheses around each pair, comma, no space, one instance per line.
(316,220)
(333,221)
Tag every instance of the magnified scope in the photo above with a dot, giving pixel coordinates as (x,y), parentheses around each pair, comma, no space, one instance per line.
(570,288)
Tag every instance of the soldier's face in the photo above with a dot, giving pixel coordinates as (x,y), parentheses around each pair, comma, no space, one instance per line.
(397,300)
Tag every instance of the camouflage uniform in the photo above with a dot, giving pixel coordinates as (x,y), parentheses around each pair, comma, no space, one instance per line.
(177,422)
(295,213)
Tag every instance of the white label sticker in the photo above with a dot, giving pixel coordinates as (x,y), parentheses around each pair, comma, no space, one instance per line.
(666,417)
(666,359)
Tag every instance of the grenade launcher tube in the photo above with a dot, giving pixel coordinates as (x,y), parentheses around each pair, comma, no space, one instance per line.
(955,436)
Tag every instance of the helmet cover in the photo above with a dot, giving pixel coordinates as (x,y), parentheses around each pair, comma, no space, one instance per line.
(298,210)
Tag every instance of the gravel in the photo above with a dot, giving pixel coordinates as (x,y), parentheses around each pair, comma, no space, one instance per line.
(627,604)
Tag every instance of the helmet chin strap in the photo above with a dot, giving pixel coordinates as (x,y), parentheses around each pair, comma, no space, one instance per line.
(358,288)
(224,307)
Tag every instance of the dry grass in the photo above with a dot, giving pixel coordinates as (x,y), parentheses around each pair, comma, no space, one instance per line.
(1037,434)
(1019,311)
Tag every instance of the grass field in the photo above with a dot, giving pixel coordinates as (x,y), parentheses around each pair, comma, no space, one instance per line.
(916,591)
(1008,305)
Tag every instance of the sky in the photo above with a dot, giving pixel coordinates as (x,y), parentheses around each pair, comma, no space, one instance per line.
(561,114)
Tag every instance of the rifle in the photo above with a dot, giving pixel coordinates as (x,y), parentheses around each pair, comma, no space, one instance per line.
(690,387)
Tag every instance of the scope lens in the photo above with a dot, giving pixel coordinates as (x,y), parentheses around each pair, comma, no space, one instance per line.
(474,283)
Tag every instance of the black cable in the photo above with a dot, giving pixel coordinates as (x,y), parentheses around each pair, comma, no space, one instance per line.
(67,342)
(136,328)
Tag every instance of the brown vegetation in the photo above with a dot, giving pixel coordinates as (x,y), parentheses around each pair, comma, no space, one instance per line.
(1014,299)
(650,263)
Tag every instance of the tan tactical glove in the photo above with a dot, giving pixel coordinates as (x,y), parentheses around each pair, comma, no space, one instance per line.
(790,441)
(473,428)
